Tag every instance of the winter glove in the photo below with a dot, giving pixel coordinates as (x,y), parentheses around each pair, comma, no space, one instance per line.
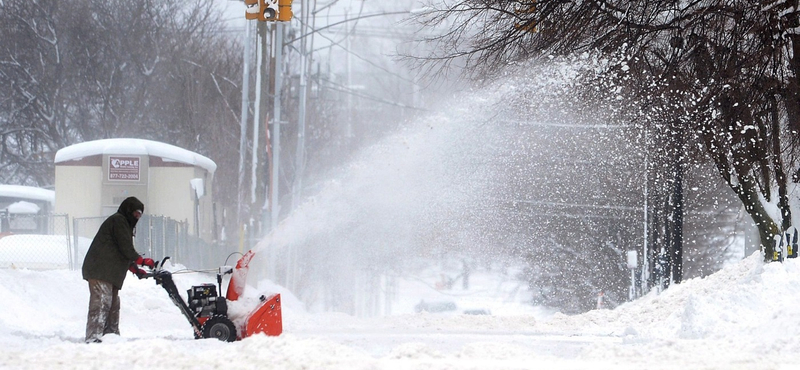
(137,271)
(145,262)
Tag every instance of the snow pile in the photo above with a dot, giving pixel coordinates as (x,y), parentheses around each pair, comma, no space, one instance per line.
(28,192)
(749,298)
(23,207)
(36,251)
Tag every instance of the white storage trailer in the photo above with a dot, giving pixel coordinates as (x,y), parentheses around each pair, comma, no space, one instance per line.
(92,179)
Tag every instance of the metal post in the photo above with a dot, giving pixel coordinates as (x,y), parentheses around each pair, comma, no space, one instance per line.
(276,125)
(301,120)
(76,239)
(164,252)
(645,264)
(272,204)
(257,109)
(243,121)
(70,248)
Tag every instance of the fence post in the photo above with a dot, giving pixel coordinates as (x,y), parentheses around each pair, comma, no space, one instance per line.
(76,232)
(179,241)
(150,236)
(164,236)
(70,248)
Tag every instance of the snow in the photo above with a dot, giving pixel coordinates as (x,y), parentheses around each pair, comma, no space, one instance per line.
(198,186)
(28,192)
(742,317)
(36,251)
(126,146)
(23,207)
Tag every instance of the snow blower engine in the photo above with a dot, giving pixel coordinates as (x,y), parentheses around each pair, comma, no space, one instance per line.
(205,303)
(207,312)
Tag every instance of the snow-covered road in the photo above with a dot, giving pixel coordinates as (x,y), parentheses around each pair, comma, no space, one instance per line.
(381,344)
(743,317)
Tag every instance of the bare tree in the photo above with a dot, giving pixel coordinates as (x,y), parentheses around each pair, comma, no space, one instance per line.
(152,69)
(32,72)
(721,72)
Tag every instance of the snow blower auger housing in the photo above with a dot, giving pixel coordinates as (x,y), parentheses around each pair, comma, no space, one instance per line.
(207,312)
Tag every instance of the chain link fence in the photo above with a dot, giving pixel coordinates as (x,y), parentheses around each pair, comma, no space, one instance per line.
(35,241)
(45,242)
(158,237)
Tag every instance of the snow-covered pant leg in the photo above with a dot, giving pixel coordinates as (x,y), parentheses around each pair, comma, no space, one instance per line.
(101,298)
(112,322)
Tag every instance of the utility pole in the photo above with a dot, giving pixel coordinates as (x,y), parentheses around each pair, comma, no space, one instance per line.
(276,125)
(276,12)
(262,29)
(243,125)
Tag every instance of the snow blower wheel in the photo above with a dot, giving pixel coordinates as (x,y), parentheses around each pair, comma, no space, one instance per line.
(219,327)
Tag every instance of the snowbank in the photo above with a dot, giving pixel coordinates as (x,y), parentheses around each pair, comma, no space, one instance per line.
(739,318)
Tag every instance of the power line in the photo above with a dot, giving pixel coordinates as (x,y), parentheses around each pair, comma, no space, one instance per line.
(338,43)
(341,88)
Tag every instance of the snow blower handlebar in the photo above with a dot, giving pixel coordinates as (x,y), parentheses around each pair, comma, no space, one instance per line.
(223,270)
(163,261)
(157,267)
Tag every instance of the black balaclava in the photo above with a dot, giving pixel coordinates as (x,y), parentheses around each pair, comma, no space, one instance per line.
(127,207)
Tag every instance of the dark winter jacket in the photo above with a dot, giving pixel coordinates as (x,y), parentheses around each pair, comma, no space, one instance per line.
(112,251)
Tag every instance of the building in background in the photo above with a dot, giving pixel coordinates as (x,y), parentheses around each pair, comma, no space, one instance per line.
(92,179)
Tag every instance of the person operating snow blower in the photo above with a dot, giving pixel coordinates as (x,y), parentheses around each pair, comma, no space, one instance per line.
(110,256)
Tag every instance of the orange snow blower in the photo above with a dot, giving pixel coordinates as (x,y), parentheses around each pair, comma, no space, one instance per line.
(207,312)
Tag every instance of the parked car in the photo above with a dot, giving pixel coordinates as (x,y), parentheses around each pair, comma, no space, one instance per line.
(434,307)
(478,311)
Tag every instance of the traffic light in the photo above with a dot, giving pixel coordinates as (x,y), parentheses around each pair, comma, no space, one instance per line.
(268,10)
(285,10)
(252,9)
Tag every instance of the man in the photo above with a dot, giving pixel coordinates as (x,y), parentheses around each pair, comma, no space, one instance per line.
(108,259)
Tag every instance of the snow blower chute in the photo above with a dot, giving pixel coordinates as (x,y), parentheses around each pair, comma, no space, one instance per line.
(207,311)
